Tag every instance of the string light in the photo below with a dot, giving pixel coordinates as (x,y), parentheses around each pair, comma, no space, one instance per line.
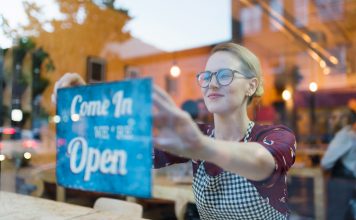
(175,71)
(313,87)
(326,71)
(286,95)
(16,115)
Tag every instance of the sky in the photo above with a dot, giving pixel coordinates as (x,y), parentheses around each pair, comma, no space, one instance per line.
(169,25)
(13,11)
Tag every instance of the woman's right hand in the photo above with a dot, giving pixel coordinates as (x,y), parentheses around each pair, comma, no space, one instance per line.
(67,80)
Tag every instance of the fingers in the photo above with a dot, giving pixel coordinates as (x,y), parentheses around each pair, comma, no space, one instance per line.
(166,139)
(72,79)
(169,144)
(161,105)
(162,94)
(162,121)
(162,142)
(163,102)
(166,113)
(67,80)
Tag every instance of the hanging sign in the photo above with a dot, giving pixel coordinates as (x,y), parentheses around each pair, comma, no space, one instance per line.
(104,137)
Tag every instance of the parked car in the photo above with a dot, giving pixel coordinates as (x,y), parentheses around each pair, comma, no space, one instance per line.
(17,145)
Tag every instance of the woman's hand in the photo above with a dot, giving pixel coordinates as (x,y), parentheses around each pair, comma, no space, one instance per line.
(68,80)
(175,131)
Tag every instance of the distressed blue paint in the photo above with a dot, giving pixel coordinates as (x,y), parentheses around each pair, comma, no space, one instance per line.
(137,181)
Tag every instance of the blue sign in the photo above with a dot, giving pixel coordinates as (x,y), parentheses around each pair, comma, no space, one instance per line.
(104,137)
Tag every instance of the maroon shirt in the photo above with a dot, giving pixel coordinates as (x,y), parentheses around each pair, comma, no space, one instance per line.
(277,139)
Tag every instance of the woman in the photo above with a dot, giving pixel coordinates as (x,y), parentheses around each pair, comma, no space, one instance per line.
(239,167)
(339,160)
(342,150)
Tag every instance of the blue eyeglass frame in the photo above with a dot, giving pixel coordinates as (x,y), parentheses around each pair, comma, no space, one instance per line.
(217,78)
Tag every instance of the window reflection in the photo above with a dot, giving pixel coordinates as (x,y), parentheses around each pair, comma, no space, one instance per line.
(308,54)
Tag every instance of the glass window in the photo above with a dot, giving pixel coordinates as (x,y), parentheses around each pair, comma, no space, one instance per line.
(301,12)
(276,7)
(251,20)
(330,10)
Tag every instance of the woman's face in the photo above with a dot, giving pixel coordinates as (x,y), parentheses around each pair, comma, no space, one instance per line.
(226,99)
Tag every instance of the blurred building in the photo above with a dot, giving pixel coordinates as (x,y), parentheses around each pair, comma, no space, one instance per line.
(298,42)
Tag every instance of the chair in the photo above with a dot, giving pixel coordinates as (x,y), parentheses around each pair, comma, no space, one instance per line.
(129,209)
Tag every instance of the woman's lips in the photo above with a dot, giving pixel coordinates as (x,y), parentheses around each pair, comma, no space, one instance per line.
(214,96)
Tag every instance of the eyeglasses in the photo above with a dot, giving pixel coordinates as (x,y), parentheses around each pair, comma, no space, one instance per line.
(223,76)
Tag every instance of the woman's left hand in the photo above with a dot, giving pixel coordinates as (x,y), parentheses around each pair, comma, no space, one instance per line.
(174,129)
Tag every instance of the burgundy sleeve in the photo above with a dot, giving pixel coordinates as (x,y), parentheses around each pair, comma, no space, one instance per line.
(281,143)
(163,159)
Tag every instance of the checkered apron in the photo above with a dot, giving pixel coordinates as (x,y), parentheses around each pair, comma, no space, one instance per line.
(230,196)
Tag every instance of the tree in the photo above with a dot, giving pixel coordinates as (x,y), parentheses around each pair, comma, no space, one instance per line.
(85,32)
(84,21)
(86,27)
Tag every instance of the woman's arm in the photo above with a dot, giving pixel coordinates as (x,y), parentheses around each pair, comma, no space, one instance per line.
(251,160)
(336,149)
(179,135)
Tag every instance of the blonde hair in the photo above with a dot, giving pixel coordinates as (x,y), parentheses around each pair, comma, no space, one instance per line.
(251,67)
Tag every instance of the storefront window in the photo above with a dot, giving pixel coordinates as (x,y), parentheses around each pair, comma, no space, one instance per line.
(118,53)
